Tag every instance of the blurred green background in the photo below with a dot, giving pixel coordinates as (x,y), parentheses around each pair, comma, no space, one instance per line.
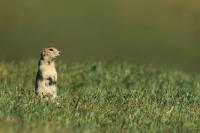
(139,31)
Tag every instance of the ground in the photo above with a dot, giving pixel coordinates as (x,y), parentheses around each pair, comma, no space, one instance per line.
(100,97)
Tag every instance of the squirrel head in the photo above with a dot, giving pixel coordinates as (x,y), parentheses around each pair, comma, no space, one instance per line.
(50,53)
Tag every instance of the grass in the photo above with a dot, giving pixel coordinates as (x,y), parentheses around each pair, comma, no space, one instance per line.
(100,97)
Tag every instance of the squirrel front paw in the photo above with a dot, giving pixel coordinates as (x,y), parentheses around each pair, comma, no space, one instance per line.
(51,81)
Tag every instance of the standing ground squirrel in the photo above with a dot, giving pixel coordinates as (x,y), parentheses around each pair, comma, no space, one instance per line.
(46,79)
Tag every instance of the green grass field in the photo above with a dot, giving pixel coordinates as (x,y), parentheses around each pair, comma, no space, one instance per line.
(100,97)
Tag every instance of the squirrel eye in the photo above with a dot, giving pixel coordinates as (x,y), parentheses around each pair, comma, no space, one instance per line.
(51,49)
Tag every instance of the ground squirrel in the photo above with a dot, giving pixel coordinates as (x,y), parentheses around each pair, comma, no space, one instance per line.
(46,79)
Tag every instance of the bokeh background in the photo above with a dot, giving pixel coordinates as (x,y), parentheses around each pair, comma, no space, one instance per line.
(159,32)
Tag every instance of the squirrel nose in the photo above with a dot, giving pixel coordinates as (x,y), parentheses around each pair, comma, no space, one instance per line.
(59,52)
